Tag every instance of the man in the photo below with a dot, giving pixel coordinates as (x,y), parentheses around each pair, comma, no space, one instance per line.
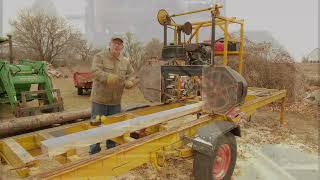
(112,73)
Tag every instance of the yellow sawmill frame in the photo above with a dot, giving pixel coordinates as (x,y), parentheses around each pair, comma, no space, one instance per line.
(23,152)
(220,21)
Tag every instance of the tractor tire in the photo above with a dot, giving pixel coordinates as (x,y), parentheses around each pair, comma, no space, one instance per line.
(220,164)
(80,91)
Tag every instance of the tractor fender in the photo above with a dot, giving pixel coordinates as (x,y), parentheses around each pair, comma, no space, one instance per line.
(207,136)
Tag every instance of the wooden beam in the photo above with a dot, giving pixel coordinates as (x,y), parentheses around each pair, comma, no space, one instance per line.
(46,135)
(18,150)
(59,145)
(17,156)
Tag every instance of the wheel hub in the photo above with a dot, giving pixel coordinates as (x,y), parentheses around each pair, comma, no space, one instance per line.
(222,162)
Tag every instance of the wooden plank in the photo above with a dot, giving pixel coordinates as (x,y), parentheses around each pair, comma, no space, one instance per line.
(17,157)
(59,145)
(19,151)
(46,135)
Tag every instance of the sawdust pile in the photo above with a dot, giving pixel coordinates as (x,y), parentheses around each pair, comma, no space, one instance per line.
(175,169)
(53,72)
(299,131)
(297,107)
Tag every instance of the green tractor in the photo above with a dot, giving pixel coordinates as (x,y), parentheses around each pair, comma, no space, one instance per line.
(15,86)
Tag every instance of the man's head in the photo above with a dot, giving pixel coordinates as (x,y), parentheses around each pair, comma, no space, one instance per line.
(116,45)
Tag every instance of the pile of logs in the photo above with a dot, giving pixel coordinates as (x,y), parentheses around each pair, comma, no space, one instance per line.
(54,72)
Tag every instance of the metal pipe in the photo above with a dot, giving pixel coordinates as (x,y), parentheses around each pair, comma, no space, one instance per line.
(195,33)
(213,37)
(179,36)
(197,11)
(10,49)
(191,12)
(241,49)
(232,20)
(210,24)
(225,43)
(175,37)
(1,17)
(165,32)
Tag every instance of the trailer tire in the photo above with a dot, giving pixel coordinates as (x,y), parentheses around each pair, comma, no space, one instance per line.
(80,91)
(209,167)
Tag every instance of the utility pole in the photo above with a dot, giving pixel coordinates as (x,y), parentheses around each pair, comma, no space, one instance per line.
(90,26)
(1,17)
(10,49)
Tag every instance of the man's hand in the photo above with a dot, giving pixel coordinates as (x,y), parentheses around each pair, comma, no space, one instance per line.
(96,121)
(113,79)
(128,84)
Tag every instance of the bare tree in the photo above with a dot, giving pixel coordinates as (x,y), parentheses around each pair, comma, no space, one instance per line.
(153,49)
(270,67)
(84,50)
(45,37)
(133,49)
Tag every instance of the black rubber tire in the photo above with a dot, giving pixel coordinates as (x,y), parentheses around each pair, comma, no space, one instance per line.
(80,91)
(203,163)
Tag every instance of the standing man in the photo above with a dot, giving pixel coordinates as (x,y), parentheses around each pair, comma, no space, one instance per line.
(112,72)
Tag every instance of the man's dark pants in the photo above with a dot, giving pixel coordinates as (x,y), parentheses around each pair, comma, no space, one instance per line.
(101,109)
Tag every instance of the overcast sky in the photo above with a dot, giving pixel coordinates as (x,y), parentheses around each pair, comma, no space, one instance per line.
(293,23)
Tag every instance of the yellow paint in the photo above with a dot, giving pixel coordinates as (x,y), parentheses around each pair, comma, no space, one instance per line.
(10,157)
(185,152)
(241,49)
(27,142)
(74,129)
(192,12)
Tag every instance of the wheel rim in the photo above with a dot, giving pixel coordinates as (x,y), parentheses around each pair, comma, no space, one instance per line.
(222,162)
